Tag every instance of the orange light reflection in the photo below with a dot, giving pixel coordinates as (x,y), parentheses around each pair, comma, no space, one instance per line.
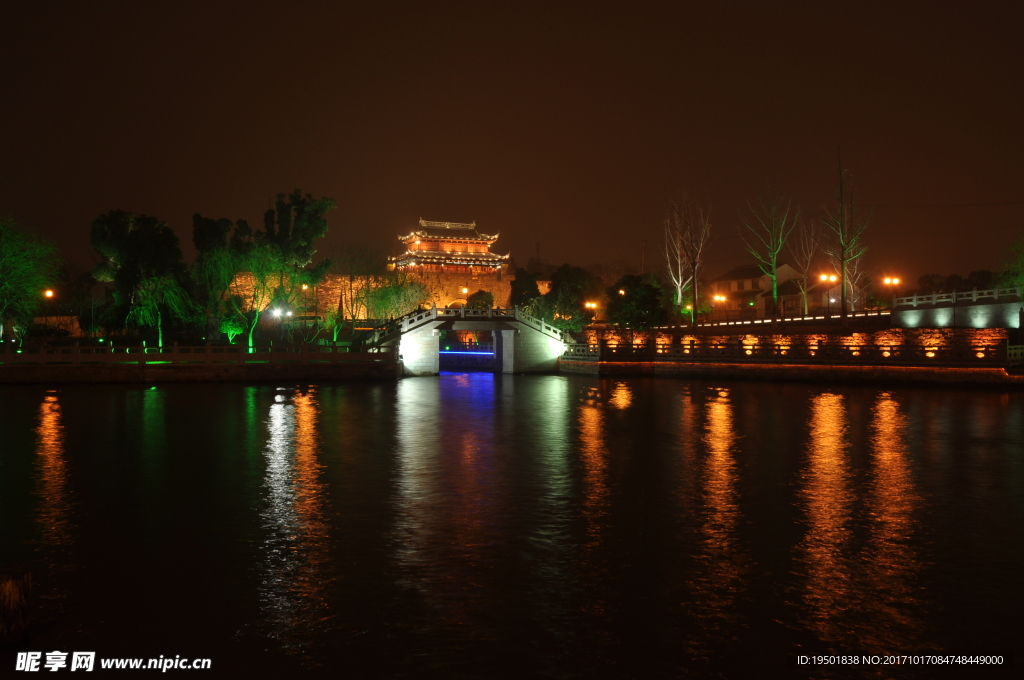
(827,499)
(53,474)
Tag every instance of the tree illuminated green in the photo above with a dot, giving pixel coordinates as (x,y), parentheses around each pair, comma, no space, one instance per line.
(28,265)
(399,295)
(271,267)
(765,234)
(152,297)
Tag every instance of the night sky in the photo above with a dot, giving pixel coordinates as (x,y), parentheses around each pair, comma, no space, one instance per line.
(568,125)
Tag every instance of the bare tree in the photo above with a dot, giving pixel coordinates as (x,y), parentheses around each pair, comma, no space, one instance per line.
(856,274)
(844,245)
(765,235)
(687,231)
(804,250)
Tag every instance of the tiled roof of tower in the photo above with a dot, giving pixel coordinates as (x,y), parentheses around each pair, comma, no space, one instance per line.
(448,230)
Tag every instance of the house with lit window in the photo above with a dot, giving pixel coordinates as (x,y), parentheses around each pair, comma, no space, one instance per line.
(823,297)
(746,292)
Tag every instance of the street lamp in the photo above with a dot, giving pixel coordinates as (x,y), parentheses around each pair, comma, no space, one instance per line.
(829,278)
(892,282)
(720,298)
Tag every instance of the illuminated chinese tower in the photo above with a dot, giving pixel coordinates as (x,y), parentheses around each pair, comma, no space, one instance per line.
(452,258)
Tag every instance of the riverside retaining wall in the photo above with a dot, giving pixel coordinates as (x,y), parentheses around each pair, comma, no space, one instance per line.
(942,375)
(185,373)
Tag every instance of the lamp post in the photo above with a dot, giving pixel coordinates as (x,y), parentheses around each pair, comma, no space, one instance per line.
(48,295)
(892,282)
(721,298)
(829,278)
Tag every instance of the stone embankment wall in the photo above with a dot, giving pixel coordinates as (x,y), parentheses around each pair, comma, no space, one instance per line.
(159,373)
(899,338)
(1004,314)
(819,373)
(946,356)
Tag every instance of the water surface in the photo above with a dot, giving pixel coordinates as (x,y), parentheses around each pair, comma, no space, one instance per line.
(477,526)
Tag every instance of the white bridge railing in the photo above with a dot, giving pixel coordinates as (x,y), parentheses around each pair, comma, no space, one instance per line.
(985,296)
(414,320)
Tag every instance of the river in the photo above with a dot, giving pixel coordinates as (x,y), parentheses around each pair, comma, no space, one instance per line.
(481,526)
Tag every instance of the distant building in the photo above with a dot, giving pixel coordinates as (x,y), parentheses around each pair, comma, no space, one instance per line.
(748,291)
(822,297)
(453,260)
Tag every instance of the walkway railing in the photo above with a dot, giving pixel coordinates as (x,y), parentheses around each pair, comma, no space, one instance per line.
(875,354)
(985,296)
(209,354)
(829,317)
(414,320)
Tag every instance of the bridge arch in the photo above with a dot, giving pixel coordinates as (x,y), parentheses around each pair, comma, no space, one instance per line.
(522,343)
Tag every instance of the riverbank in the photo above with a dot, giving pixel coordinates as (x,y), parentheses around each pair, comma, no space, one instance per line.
(27,374)
(939,375)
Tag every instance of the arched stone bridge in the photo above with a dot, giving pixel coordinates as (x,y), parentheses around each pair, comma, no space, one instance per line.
(522,343)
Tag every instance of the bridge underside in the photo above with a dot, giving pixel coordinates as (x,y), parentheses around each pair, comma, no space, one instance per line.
(518,348)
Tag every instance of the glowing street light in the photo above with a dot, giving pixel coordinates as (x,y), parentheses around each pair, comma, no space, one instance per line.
(48,293)
(892,282)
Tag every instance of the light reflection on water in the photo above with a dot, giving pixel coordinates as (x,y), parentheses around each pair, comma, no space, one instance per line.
(892,564)
(828,501)
(55,502)
(718,581)
(296,557)
(557,524)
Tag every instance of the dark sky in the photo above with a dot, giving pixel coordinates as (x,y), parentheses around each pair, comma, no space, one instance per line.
(567,124)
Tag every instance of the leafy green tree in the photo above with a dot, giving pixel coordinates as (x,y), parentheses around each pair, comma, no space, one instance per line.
(27,266)
(215,264)
(269,267)
(257,289)
(565,305)
(524,288)
(400,295)
(152,297)
(142,256)
(481,299)
(294,223)
(232,327)
(635,303)
(358,267)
